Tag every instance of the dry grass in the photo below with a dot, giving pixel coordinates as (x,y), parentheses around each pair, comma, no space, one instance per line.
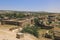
(6,27)
(41,34)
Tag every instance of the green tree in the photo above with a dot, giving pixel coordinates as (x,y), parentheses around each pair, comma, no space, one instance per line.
(20,15)
(14,15)
(1,16)
(36,20)
(30,30)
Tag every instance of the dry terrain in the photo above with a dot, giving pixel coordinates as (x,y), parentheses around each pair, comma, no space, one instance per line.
(5,34)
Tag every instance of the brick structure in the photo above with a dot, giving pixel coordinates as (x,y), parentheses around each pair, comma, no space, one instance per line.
(17,22)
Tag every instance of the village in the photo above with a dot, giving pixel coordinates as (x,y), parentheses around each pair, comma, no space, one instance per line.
(47,26)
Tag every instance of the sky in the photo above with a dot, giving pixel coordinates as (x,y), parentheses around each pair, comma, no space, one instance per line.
(31,5)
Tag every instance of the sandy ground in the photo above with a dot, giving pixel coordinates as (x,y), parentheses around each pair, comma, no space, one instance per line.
(5,34)
(28,37)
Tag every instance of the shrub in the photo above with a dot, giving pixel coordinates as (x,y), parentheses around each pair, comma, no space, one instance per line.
(30,30)
(36,20)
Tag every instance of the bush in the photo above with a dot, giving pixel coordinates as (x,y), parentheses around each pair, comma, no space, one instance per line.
(36,20)
(30,30)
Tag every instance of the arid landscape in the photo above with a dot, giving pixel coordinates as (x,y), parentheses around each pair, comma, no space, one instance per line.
(29,19)
(29,26)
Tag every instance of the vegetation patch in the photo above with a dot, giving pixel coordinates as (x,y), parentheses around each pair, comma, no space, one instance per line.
(31,30)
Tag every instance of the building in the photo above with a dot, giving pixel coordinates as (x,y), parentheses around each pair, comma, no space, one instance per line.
(18,22)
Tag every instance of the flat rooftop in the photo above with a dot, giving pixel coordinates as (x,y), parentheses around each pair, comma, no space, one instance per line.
(16,20)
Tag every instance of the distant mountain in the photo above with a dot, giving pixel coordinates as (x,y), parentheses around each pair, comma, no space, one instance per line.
(11,11)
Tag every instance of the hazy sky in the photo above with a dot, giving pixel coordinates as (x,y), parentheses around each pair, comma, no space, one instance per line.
(31,5)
